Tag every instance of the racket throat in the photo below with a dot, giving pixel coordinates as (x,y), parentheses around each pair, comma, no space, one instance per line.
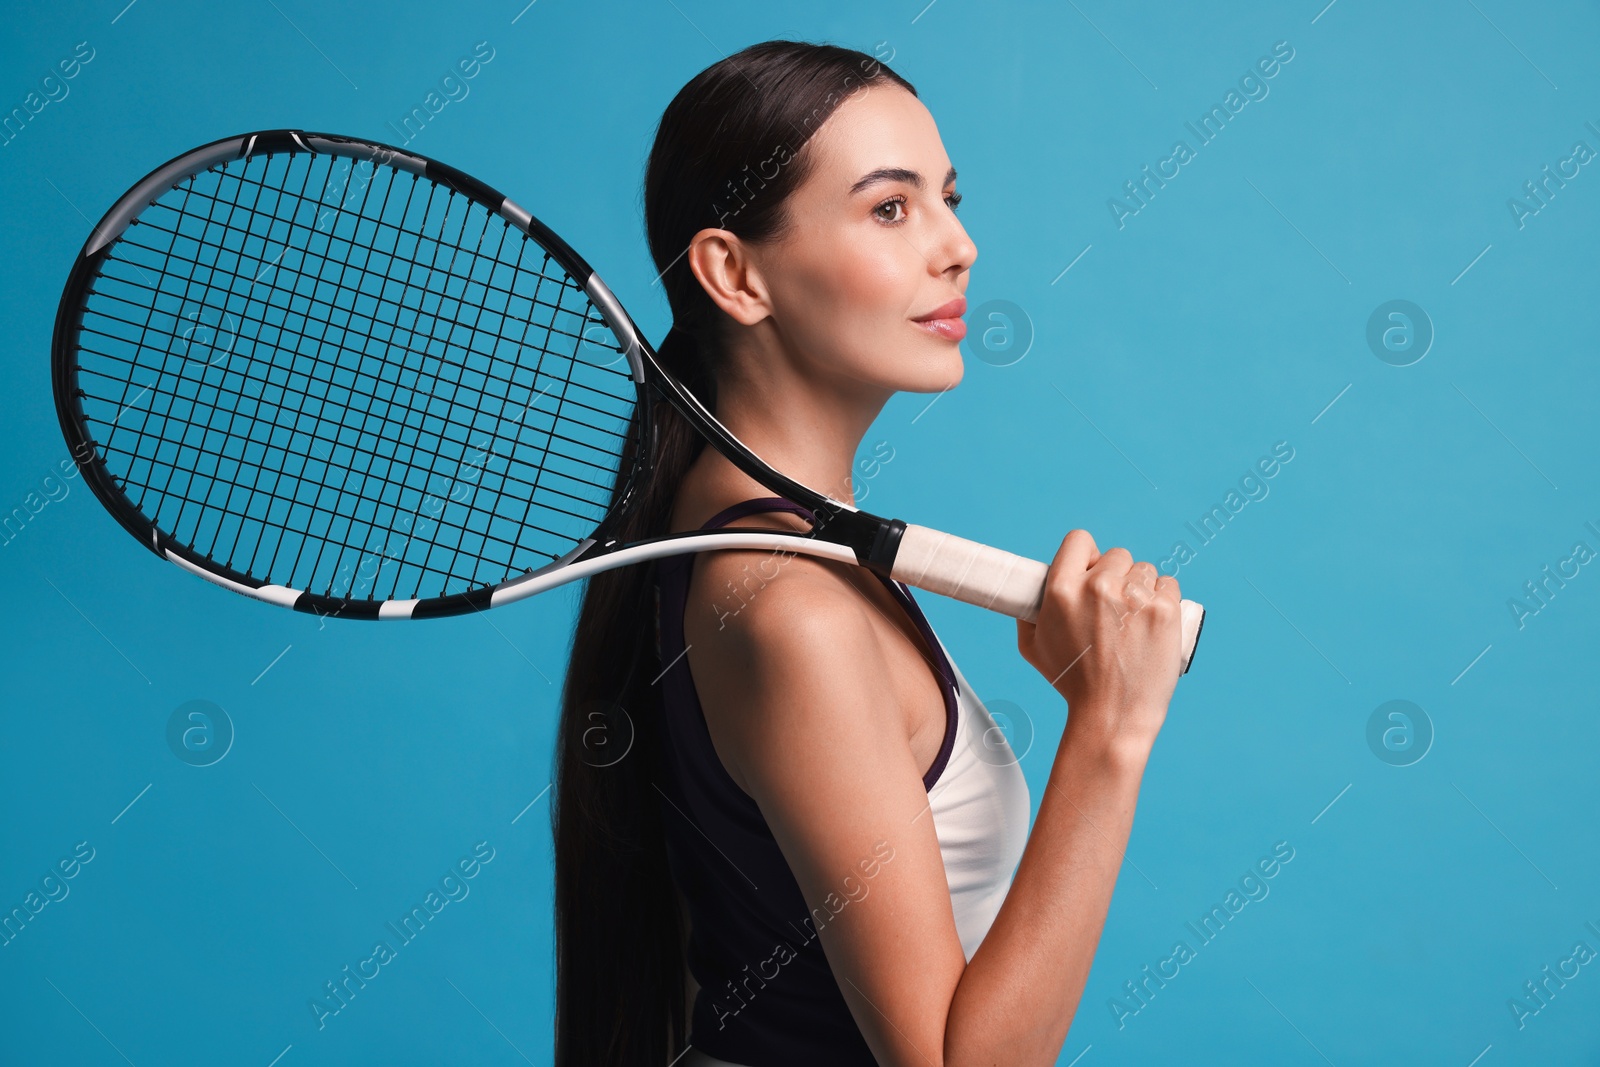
(885,547)
(875,541)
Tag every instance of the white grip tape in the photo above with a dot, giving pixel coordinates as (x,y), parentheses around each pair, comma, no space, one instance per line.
(976,574)
(992,578)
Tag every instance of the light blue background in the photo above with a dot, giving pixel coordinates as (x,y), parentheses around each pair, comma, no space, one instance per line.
(1228,315)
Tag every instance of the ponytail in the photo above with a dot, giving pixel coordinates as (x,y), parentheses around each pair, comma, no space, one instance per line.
(614,894)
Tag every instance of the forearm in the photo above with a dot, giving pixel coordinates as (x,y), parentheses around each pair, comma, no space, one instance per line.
(1016,999)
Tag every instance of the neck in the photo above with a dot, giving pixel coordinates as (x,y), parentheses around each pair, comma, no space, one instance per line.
(804,423)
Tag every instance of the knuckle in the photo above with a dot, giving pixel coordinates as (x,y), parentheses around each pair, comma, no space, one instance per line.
(1056,582)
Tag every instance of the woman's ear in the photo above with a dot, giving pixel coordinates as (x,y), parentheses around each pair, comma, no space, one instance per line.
(727,271)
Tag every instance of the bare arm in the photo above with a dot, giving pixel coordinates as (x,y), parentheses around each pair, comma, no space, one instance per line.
(1018,995)
(798,707)
(1108,639)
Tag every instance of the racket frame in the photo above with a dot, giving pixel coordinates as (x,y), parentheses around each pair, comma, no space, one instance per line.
(842,532)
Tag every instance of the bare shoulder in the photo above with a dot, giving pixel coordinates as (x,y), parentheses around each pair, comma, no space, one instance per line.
(741,602)
(786,658)
(777,621)
(789,634)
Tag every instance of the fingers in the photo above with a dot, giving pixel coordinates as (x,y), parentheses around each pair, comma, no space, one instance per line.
(1115,570)
(1143,575)
(1077,553)
(1109,577)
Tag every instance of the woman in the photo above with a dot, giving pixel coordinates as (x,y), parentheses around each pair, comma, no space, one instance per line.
(795,722)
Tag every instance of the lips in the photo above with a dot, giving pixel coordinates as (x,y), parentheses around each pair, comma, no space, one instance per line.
(953,310)
(945,321)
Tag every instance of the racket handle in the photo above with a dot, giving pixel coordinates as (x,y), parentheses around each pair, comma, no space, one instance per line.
(994,578)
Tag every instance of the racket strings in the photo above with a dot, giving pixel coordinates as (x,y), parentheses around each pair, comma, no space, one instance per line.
(397,258)
(433,324)
(381,224)
(228,557)
(367,411)
(373,453)
(405,325)
(239,529)
(318,438)
(500,380)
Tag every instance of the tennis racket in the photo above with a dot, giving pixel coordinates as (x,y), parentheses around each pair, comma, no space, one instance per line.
(346,379)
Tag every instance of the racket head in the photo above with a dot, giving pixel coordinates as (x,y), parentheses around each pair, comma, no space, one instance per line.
(342,377)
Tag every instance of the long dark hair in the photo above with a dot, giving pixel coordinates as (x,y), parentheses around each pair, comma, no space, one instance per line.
(727,154)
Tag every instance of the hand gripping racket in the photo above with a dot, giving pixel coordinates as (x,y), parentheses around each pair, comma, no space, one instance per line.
(346,379)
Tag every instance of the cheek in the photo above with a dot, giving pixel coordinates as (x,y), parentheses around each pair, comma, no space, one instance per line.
(849,314)
(860,281)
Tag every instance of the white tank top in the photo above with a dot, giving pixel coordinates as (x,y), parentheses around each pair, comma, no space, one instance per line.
(980,808)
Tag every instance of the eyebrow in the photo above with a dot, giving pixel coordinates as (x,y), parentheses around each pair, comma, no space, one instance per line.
(896,174)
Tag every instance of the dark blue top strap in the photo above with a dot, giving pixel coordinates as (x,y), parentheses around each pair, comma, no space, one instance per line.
(745,508)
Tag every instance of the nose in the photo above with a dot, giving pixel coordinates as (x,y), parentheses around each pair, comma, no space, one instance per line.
(954,251)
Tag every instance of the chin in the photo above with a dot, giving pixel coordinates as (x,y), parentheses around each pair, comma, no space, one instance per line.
(938,372)
(928,365)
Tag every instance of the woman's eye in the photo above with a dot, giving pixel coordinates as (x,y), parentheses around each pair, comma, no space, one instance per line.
(890,205)
(886,210)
